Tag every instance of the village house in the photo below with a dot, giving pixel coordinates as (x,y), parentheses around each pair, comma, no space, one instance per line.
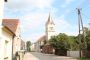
(14,25)
(22,45)
(40,42)
(8,36)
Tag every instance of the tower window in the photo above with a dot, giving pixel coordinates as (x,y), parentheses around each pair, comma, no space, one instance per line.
(51,28)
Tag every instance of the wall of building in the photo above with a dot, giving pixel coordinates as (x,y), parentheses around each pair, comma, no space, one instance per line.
(17,40)
(1,38)
(7,43)
(37,47)
(22,45)
(50,30)
(2,48)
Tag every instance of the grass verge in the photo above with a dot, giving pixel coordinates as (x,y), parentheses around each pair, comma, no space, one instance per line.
(84,59)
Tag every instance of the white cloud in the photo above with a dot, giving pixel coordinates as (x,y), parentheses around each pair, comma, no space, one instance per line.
(34,20)
(18,4)
(34,17)
(63,26)
(34,37)
(34,24)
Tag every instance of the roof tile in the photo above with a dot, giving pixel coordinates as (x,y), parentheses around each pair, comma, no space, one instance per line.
(11,24)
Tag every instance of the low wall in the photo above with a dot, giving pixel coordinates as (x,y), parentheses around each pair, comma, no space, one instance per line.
(60,52)
(86,53)
(74,54)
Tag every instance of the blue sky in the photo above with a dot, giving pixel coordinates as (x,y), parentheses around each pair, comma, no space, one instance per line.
(34,13)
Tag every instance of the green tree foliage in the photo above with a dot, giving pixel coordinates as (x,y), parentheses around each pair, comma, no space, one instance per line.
(85,42)
(28,44)
(88,39)
(63,41)
(73,42)
(60,41)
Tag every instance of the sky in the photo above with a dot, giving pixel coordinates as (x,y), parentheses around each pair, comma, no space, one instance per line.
(33,15)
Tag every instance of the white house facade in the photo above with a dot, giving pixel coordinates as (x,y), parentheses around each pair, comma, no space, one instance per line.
(7,41)
(1,36)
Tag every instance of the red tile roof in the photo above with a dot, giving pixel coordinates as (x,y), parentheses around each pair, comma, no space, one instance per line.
(11,24)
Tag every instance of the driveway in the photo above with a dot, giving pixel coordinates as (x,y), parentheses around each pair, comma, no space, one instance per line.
(40,56)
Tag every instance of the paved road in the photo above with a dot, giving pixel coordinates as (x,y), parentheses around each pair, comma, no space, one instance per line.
(40,56)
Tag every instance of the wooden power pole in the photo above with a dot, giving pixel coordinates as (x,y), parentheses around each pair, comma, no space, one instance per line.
(81,31)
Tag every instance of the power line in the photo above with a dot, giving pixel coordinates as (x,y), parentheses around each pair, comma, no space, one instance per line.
(86,16)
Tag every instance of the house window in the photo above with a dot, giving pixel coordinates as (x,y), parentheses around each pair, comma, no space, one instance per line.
(5,49)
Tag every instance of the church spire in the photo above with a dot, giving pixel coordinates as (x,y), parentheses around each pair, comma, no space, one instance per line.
(50,21)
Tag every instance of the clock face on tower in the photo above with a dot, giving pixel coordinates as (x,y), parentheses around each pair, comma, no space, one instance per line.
(50,29)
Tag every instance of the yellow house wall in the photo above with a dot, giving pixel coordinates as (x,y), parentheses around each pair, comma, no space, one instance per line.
(1,38)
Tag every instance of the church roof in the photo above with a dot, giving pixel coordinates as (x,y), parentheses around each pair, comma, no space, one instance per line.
(49,21)
(42,38)
(11,24)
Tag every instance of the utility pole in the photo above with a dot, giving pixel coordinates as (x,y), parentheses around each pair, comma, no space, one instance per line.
(81,31)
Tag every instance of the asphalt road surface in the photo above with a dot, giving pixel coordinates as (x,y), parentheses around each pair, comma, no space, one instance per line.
(40,56)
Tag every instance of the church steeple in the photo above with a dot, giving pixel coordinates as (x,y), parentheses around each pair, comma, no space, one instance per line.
(50,28)
(49,21)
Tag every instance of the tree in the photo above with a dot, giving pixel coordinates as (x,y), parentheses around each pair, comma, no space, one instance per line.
(60,41)
(85,43)
(28,44)
(73,42)
(88,39)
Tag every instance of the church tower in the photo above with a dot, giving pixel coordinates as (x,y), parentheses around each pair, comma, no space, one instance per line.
(50,28)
